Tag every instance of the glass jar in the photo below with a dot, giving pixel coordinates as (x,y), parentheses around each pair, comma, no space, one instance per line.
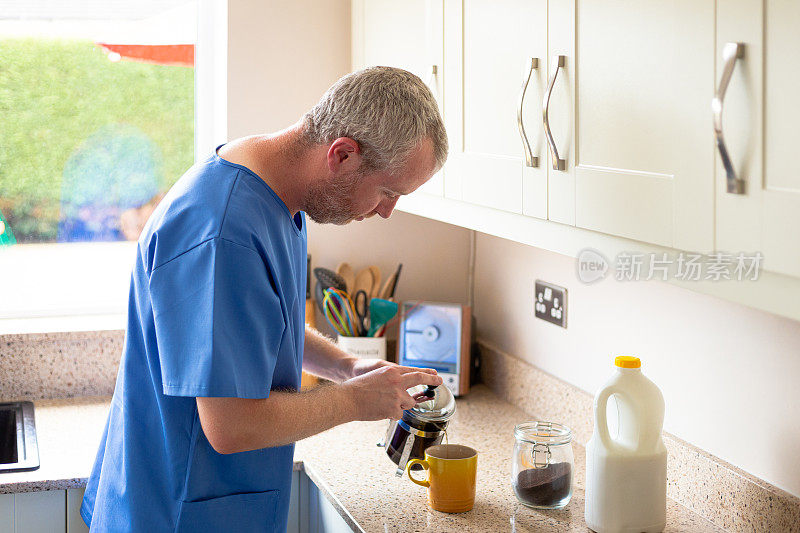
(543,465)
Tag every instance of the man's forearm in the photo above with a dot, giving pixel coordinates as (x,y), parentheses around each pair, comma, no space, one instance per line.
(234,425)
(323,358)
(283,418)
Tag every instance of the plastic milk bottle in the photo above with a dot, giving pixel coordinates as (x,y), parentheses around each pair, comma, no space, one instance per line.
(626,474)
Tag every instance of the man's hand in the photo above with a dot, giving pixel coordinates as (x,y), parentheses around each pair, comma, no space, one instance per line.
(363,366)
(381,393)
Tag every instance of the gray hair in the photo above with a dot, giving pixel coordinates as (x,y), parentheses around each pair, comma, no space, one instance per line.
(388,111)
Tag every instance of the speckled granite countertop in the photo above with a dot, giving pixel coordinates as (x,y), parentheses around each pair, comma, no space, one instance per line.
(357,476)
(354,474)
(68,433)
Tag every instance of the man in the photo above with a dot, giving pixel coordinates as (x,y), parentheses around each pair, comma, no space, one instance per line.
(205,411)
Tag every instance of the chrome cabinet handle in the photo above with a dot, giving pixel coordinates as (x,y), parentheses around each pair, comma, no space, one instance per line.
(530,159)
(558,164)
(730,53)
(431,83)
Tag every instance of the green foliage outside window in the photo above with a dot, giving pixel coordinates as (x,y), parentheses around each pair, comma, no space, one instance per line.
(63,99)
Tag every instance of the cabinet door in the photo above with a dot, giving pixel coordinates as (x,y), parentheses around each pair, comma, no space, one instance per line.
(40,512)
(6,512)
(75,523)
(324,518)
(293,524)
(494,43)
(407,35)
(759,125)
(644,73)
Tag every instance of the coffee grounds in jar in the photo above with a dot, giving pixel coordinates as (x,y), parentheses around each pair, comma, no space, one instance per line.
(544,487)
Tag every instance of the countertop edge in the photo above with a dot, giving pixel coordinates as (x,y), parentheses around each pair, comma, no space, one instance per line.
(19,487)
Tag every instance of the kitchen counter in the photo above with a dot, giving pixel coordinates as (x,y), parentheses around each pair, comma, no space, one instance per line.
(358,477)
(355,475)
(68,433)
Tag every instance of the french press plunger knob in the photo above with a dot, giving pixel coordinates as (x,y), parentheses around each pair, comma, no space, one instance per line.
(430,391)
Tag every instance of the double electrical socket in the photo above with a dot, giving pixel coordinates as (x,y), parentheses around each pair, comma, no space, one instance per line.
(551,303)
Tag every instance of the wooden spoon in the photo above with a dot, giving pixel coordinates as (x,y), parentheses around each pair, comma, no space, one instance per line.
(363,282)
(376,281)
(387,291)
(346,271)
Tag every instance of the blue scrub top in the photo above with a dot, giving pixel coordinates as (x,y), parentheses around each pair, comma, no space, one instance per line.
(216,308)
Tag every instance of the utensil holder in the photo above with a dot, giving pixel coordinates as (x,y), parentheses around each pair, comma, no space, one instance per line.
(364,347)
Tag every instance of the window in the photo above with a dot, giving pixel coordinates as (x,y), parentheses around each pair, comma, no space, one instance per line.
(97,100)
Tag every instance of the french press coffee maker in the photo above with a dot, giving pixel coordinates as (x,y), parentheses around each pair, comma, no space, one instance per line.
(421,426)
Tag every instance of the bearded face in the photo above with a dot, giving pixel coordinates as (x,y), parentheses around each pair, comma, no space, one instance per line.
(334,201)
(360,194)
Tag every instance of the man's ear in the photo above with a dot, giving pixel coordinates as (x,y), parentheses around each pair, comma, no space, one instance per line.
(344,155)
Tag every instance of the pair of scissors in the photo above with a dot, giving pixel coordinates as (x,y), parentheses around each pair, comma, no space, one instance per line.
(362,312)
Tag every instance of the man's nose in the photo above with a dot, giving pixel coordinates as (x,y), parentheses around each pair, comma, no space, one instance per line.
(386,207)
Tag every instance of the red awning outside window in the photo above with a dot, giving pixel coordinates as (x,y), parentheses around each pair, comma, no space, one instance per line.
(159,54)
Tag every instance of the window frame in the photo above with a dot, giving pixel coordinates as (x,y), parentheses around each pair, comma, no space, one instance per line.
(84,286)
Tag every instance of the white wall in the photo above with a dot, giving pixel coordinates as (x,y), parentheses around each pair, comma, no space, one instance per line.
(282,55)
(729,373)
(435,255)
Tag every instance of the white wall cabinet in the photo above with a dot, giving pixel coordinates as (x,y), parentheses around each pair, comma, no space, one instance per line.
(760,120)
(630,116)
(493,94)
(407,35)
(643,165)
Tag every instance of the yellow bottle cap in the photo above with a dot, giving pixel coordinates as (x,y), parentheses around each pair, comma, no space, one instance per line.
(627,361)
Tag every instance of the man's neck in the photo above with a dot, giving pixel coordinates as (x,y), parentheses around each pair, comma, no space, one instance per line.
(280,159)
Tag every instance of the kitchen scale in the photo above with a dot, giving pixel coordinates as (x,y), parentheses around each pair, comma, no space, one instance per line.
(437,335)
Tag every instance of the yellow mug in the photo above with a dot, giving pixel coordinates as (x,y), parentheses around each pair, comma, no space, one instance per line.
(452,469)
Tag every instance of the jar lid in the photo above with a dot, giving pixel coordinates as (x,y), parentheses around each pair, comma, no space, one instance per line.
(550,433)
(438,409)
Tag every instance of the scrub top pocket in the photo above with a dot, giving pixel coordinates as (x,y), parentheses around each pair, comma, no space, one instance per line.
(248,512)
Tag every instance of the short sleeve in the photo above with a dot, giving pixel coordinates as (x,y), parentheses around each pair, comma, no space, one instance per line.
(218,322)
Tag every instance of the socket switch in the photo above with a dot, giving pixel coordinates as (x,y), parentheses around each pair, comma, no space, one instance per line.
(551,303)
